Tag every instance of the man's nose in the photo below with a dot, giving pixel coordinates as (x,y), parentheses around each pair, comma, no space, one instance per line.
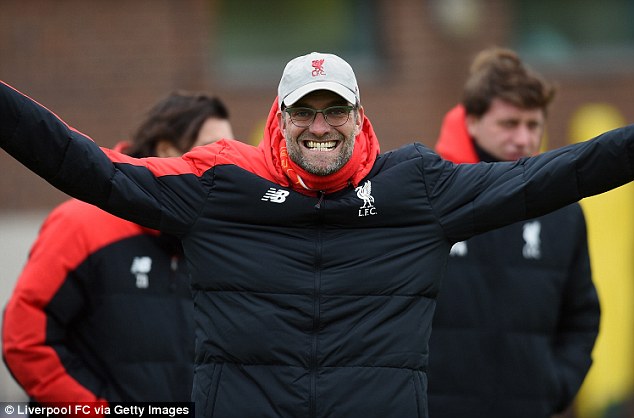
(319,125)
(524,136)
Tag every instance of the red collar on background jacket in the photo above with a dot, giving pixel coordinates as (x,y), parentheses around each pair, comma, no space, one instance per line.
(288,174)
(454,143)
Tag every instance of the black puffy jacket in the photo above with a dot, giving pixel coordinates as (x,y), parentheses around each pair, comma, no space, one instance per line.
(311,305)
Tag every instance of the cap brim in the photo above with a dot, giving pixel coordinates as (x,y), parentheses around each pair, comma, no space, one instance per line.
(337,88)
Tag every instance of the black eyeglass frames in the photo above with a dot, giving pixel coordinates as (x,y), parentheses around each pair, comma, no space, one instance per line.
(335,116)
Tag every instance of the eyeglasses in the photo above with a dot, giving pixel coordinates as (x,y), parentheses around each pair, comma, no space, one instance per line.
(335,116)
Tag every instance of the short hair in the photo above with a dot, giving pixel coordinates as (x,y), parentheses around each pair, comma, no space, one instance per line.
(499,73)
(178,119)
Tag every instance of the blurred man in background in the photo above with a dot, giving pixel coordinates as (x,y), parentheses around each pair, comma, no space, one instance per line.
(517,313)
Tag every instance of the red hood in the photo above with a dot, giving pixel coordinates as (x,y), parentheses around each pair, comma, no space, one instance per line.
(287,173)
(454,142)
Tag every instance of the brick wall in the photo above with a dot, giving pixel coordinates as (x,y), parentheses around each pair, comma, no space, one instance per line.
(99,64)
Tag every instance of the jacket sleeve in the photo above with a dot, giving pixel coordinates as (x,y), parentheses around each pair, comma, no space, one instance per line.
(578,325)
(34,335)
(158,193)
(473,198)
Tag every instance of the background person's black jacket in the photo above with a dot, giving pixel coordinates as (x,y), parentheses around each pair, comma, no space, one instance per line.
(517,315)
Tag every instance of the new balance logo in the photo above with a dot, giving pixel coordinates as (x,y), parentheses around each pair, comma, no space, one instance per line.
(141,267)
(275,195)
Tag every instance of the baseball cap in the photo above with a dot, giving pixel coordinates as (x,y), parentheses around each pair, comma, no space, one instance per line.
(317,71)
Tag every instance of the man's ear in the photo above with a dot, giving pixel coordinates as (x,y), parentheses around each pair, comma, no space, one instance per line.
(359,121)
(471,122)
(281,123)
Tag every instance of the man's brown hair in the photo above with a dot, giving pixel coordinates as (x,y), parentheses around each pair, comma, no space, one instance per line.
(499,73)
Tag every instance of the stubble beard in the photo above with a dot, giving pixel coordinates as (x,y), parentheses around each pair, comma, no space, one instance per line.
(295,153)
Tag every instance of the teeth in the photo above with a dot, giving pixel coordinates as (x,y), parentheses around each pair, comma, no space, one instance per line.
(321,146)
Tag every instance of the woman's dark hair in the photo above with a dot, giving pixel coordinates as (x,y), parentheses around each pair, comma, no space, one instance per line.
(177,118)
(499,73)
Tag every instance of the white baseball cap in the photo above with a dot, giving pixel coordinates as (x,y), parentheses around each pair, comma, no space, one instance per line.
(317,71)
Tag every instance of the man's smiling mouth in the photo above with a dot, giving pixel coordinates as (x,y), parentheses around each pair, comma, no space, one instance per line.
(320,146)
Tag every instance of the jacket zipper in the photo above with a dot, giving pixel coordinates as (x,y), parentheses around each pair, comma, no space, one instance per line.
(314,363)
(320,201)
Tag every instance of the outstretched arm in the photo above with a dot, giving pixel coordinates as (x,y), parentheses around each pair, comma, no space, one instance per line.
(50,148)
(474,198)
(133,189)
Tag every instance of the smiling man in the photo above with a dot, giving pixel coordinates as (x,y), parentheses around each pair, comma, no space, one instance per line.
(320,145)
(315,261)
